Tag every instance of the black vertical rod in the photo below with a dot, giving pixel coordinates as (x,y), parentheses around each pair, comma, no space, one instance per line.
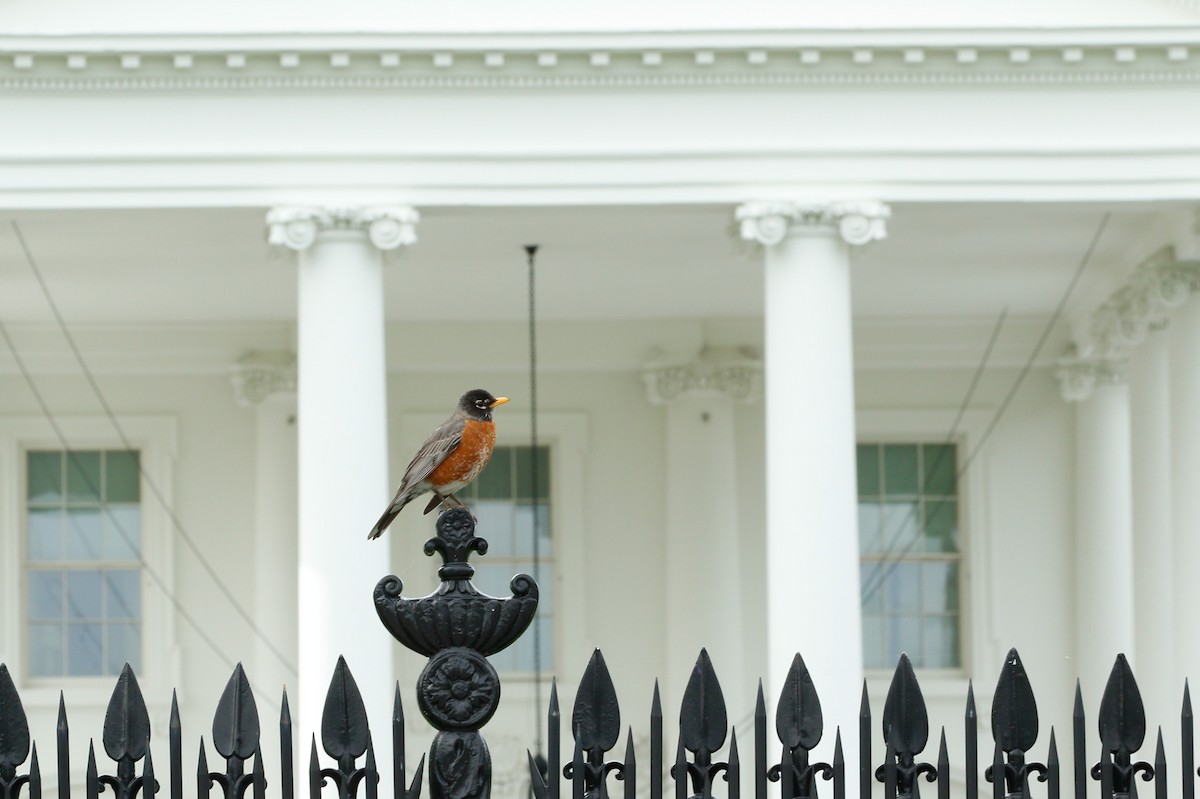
(864,746)
(175,744)
(971,741)
(315,780)
(203,783)
(1160,768)
(64,751)
(1106,774)
(259,777)
(577,783)
(372,769)
(35,775)
(997,772)
(889,769)
(148,775)
(92,781)
(656,746)
(287,766)
(1186,744)
(553,749)
(1080,765)
(733,775)
(1053,772)
(787,773)
(760,745)
(629,774)
(399,779)
(680,772)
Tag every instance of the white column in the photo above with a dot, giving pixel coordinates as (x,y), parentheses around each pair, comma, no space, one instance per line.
(343,476)
(813,603)
(266,381)
(1153,579)
(1103,519)
(1185,485)
(702,548)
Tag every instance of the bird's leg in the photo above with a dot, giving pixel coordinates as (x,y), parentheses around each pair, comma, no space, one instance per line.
(461,504)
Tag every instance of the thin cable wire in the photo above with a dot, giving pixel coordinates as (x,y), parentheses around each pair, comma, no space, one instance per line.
(531,251)
(125,441)
(1018,381)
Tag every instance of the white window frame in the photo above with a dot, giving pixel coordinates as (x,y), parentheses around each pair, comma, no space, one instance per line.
(565,433)
(931,427)
(156,438)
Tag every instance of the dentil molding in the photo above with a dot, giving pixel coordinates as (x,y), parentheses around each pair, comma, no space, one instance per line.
(769,223)
(387,227)
(73,64)
(258,376)
(1078,378)
(734,374)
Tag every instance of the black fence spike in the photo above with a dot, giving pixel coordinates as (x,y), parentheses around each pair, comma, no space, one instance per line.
(287,763)
(629,772)
(35,774)
(92,779)
(996,772)
(1122,717)
(315,779)
(596,719)
(1080,744)
(889,767)
(656,745)
(1186,740)
(126,723)
(553,743)
(703,723)
(14,728)
(149,786)
(1160,768)
(399,778)
(203,780)
(63,735)
(372,772)
(537,784)
(414,790)
(679,771)
(733,770)
(904,716)
(1106,775)
(839,766)
(577,776)
(1053,770)
(943,769)
(971,742)
(798,720)
(235,729)
(175,746)
(865,769)
(1014,709)
(259,777)
(760,744)
(344,730)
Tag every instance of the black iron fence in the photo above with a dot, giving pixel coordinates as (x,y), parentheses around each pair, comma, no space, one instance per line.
(457,627)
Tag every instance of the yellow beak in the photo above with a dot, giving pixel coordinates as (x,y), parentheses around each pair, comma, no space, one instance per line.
(499,401)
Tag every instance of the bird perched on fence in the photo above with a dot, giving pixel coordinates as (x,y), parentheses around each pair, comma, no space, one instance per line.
(453,455)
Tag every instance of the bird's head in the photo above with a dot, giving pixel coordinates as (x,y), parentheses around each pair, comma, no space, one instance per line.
(478,404)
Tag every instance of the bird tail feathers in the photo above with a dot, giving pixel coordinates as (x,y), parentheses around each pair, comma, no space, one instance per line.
(388,515)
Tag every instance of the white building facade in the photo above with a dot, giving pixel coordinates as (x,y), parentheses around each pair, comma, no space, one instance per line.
(856,333)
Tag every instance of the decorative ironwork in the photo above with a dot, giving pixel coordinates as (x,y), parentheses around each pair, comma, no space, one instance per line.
(456,627)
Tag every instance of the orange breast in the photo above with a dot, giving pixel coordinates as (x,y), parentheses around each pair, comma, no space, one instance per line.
(466,462)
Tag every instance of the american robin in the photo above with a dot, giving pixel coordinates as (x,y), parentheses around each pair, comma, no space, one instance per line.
(453,455)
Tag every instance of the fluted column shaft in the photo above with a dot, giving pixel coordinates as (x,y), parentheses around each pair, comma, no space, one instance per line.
(812,568)
(342,433)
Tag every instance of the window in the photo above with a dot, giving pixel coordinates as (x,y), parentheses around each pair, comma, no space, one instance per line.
(506,504)
(910,553)
(83,608)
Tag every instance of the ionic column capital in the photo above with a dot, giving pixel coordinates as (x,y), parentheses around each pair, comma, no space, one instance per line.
(734,375)
(257,376)
(387,226)
(769,223)
(1078,378)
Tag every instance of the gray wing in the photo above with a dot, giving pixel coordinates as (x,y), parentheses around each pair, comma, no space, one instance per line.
(444,440)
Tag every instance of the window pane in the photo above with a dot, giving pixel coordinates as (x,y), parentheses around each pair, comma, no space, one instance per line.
(873,654)
(940,466)
(496,480)
(941,525)
(121,477)
(902,591)
(870,522)
(868,470)
(46,595)
(523,464)
(904,635)
(869,585)
(84,649)
(83,595)
(45,650)
(495,523)
(494,578)
(124,646)
(45,535)
(523,530)
(44,477)
(83,477)
(900,527)
(900,469)
(83,534)
(123,598)
(939,587)
(941,641)
(122,532)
